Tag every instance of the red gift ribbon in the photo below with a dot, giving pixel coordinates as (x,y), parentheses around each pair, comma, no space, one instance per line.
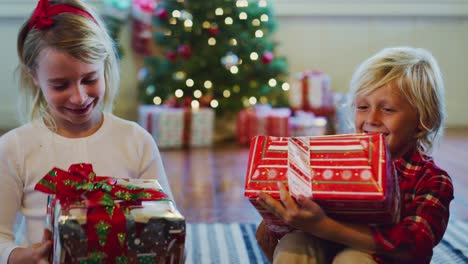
(105,227)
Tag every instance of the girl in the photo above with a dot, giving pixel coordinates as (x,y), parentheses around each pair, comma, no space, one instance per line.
(69,79)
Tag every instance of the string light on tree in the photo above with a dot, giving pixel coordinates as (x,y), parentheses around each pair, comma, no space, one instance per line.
(262,3)
(254,56)
(259,33)
(272,82)
(219,11)
(233,42)
(264,18)
(214,103)
(208,84)
(197,94)
(189,83)
(252,100)
(285,86)
(211,41)
(179,93)
(157,100)
(228,21)
(242,3)
(234,70)
(176,13)
(227,93)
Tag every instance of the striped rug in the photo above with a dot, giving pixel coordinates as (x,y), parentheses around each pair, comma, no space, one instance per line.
(235,243)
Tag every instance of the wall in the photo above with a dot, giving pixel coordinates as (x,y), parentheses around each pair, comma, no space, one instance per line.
(333,35)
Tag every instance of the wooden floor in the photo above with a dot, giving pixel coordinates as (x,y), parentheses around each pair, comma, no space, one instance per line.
(208,183)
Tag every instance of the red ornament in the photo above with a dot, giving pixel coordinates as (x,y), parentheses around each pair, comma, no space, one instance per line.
(185,51)
(170,55)
(267,57)
(162,13)
(213,31)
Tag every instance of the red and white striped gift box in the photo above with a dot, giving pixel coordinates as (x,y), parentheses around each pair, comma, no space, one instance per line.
(350,176)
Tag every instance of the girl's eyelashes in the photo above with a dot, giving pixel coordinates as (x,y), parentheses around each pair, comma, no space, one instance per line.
(59,87)
(90,81)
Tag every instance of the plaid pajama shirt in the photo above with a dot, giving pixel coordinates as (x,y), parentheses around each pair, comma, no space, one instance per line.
(426,191)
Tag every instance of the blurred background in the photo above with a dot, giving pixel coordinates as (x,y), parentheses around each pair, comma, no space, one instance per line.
(332,37)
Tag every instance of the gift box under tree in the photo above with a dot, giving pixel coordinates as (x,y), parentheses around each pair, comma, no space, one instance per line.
(177,127)
(311,91)
(350,176)
(262,120)
(105,220)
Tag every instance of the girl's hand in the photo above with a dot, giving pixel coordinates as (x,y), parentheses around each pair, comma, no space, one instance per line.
(266,240)
(36,254)
(305,215)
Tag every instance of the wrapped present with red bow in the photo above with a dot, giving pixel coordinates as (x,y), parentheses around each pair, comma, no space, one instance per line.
(97,219)
(176,127)
(262,120)
(350,176)
(311,91)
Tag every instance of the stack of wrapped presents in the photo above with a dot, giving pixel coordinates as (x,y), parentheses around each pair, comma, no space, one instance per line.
(350,176)
(178,127)
(280,122)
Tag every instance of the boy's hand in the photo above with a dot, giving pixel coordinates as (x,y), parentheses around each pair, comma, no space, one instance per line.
(305,215)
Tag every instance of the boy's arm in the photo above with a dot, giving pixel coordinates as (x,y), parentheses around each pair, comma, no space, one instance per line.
(300,216)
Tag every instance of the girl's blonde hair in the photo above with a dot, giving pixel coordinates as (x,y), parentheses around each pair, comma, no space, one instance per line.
(77,35)
(415,72)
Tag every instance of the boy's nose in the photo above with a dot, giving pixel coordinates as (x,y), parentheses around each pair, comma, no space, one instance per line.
(79,95)
(373,117)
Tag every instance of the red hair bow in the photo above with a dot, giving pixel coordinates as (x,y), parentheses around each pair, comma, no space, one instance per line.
(42,15)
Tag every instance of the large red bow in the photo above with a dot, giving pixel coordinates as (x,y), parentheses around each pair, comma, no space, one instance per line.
(42,15)
(105,227)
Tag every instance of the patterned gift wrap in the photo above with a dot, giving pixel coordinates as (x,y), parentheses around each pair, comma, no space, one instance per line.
(178,127)
(112,220)
(350,176)
(262,120)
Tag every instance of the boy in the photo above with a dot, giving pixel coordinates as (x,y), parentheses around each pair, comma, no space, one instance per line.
(398,92)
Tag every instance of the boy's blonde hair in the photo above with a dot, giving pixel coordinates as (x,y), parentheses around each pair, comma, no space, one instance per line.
(77,35)
(415,72)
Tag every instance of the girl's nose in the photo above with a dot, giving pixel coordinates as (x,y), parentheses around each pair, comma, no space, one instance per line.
(79,95)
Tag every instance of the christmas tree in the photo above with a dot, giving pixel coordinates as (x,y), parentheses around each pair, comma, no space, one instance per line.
(216,53)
